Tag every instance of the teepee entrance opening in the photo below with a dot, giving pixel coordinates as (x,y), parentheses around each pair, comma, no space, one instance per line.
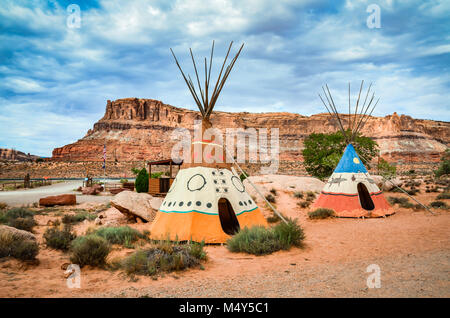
(228,220)
(364,197)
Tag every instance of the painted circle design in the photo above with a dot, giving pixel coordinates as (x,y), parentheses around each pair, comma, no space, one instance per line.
(355,160)
(198,203)
(189,203)
(209,205)
(237,184)
(196,182)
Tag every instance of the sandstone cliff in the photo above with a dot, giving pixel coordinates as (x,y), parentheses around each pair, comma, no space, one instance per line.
(139,129)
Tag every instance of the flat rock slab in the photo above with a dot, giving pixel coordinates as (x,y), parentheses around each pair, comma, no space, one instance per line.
(63,199)
(134,204)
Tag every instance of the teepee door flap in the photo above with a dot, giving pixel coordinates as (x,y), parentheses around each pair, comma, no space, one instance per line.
(364,197)
(228,220)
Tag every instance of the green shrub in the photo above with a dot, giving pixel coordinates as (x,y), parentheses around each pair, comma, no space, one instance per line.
(20,218)
(443,196)
(123,235)
(289,234)
(156,175)
(395,200)
(258,240)
(89,250)
(304,204)
(25,224)
(243,176)
(270,198)
(123,180)
(78,217)
(141,183)
(59,239)
(273,218)
(164,257)
(310,196)
(298,195)
(17,248)
(321,213)
(439,204)
(444,168)
(407,205)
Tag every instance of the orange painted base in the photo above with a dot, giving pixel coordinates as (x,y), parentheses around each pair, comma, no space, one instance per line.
(198,227)
(349,206)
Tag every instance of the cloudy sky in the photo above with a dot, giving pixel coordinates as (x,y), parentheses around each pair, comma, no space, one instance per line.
(56,78)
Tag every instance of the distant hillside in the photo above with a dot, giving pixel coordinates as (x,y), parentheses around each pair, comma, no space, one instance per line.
(15,155)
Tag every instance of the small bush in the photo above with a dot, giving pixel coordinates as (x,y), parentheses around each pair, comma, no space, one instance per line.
(18,248)
(258,240)
(298,195)
(123,180)
(289,234)
(304,204)
(20,218)
(310,196)
(407,205)
(270,198)
(321,214)
(25,224)
(273,218)
(164,257)
(395,200)
(439,204)
(89,250)
(3,206)
(274,191)
(243,176)
(443,196)
(78,217)
(142,181)
(59,239)
(123,235)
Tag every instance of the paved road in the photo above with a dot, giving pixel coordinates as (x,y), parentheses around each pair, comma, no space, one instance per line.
(29,196)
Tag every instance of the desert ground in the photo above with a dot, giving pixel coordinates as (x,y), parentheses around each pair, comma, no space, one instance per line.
(412,249)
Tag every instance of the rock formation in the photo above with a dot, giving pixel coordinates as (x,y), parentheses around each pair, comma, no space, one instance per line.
(15,155)
(139,129)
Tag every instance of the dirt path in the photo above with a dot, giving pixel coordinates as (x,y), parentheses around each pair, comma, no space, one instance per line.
(30,196)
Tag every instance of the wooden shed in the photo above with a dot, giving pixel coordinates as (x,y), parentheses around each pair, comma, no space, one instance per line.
(160,186)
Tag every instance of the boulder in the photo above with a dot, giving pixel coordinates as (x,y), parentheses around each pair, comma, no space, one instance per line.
(118,190)
(386,185)
(63,199)
(94,190)
(134,204)
(283,183)
(17,234)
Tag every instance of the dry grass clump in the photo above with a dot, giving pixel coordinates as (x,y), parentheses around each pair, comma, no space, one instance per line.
(298,195)
(321,213)
(259,240)
(164,257)
(17,247)
(270,198)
